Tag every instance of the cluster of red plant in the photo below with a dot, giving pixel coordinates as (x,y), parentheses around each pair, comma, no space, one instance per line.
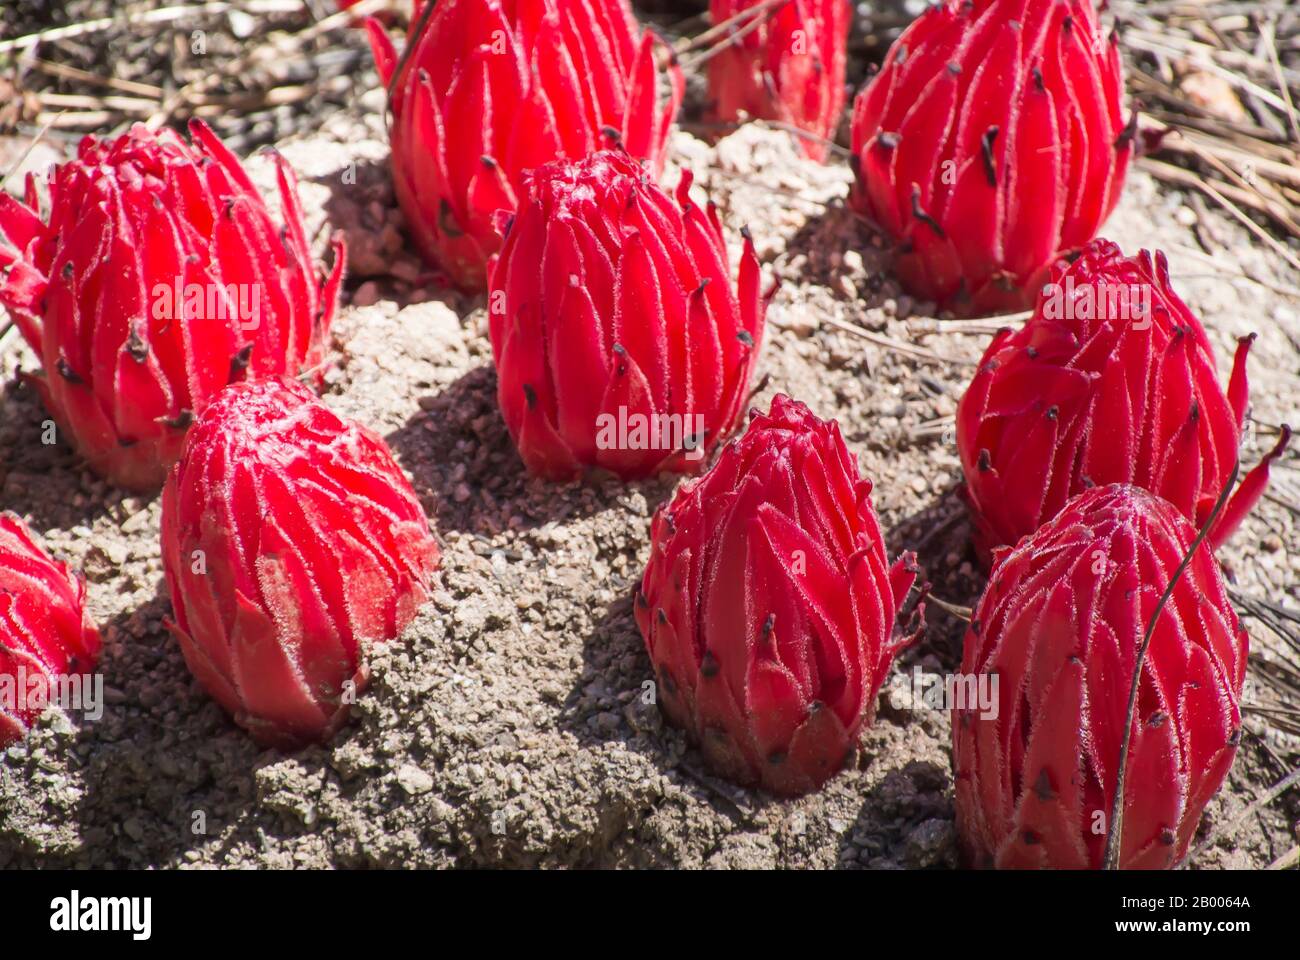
(527,144)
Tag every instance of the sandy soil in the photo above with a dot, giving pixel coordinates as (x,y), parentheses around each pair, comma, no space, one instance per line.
(506,726)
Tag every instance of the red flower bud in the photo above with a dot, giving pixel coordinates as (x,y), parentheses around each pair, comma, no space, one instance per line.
(790,67)
(45,631)
(1111,381)
(991,143)
(768,604)
(158,278)
(291,540)
(491,89)
(1060,626)
(618,341)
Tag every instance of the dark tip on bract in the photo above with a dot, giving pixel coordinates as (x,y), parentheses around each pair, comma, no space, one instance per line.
(136,347)
(239,362)
(708,664)
(985,461)
(66,371)
(1043,786)
(667,680)
(746,338)
(920,214)
(530,396)
(1125,138)
(887,139)
(182,420)
(986,149)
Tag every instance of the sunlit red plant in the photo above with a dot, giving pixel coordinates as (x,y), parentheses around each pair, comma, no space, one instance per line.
(291,540)
(618,340)
(790,67)
(157,278)
(1112,380)
(990,144)
(768,603)
(45,630)
(491,88)
(1060,626)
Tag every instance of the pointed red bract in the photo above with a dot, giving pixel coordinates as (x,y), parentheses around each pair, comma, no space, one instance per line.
(158,278)
(492,88)
(619,342)
(46,633)
(291,540)
(991,143)
(1112,380)
(790,68)
(768,604)
(1059,627)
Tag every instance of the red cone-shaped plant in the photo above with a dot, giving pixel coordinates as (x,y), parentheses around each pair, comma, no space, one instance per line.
(291,539)
(158,278)
(1112,380)
(990,144)
(492,88)
(1059,627)
(619,343)
(790,67)
(45,631)
(768,604)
